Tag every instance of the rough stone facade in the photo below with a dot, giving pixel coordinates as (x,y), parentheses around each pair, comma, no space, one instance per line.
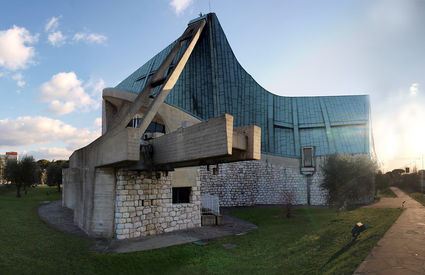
(260,182)
(144,206)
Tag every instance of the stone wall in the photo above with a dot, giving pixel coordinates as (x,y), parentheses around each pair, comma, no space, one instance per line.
(260,182)
(144,206)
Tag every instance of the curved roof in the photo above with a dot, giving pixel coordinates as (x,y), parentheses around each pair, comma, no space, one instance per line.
(213,83)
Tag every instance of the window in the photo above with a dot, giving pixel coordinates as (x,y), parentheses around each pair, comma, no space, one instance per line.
(181,194)
(307,157)
(152,128)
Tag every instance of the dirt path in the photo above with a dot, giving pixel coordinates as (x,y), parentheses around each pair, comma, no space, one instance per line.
(402,249)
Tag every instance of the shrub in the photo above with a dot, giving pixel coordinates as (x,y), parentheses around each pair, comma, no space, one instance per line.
(383,181)
(349,179)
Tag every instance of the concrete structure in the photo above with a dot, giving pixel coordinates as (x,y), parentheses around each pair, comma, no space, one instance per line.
(137,178)
(213,83)
(184,103)
(9,156)
(4,159)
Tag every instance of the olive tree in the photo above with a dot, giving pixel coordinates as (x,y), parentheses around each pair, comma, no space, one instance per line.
(30,172)
(22,173)
(54,173)
(349,179)
(13,174)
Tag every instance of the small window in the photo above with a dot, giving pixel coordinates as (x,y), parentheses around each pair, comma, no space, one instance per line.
(181,194)
(308,157)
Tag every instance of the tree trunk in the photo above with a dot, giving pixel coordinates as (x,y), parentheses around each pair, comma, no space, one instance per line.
(59,187)
(25,189)
(18,191)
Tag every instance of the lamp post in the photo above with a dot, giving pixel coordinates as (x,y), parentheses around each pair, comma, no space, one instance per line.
(422,175)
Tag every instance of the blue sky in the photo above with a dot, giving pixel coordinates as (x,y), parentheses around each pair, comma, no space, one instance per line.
(56,56)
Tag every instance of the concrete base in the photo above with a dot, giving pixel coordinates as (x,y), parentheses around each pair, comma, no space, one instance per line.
(208,220)
(211,219)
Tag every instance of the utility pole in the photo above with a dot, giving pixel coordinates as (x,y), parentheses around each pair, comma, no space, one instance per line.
(422,175)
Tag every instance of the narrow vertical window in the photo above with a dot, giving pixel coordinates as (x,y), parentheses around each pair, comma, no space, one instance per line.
(307,157)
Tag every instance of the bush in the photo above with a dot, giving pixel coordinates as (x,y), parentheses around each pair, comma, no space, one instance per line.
(54,173)
(382,181)
(410,183)
(349,179)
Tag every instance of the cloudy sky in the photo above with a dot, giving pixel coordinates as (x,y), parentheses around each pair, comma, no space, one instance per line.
(57,56)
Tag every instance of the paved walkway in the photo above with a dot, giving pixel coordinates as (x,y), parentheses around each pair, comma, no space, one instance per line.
(62,219)
(402,249)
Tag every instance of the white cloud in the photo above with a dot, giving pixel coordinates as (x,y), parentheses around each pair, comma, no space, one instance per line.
(56,38)
(52,24)
(26,131)
(414,89)
(90,38)
(15,52)
(98,122)
(18,92)
(66,93)
(96,85)
(52,153)
(180,5)
(19,79)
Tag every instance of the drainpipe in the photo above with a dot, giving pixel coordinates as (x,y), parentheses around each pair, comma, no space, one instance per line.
(308,188)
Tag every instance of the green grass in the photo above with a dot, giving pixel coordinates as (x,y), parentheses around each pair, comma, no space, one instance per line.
(419,197)
(386,193)
(314,241)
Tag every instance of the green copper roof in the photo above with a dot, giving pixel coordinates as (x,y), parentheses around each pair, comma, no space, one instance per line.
(213,83)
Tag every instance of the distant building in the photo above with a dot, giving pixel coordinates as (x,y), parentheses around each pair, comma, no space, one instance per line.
(5,158)
(9,156)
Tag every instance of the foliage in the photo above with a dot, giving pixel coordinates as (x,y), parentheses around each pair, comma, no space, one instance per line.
(24,173)
(1,169)
(349,179)
(30,172)
(54,173)
(13,173)
(312,242)
(43,163)
(382,181)
(385,193)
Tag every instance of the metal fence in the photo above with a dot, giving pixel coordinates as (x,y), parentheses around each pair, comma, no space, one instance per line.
(210,204)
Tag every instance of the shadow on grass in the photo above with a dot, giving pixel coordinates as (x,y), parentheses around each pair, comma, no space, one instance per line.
(340,252)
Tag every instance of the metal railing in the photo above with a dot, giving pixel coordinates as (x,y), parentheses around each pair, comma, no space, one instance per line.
(210,204)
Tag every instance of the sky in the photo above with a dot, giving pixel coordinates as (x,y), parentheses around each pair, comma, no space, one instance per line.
(57,56)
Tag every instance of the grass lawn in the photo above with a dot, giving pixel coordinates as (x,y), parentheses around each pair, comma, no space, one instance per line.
(386,193)
(419,197)
(314,241)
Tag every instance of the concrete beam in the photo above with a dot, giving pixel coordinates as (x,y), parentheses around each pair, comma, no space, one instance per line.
(212,138)
(210,142)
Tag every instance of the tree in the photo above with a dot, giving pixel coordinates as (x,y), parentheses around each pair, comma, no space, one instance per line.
(23,173)
(30,172)
(13,173)
(54,173)
(288,200)
(349,179)
(1,170)
(43,164)
(382,181)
